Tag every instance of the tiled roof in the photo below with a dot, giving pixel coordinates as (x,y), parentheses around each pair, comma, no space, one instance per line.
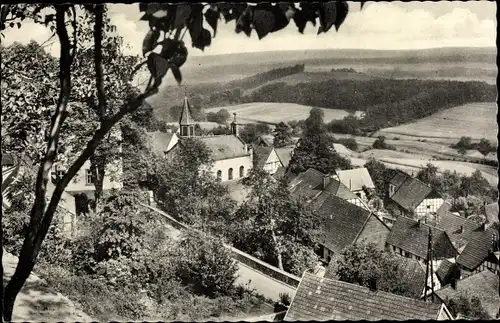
(186,118)
(484,285)
(342,222)
(356,178)
(285,154)
(459,229)
(225,146)
(445,271)
(478,248)
(398,178)
(321,299)
(160,141)
(491,211)
(267,140)
(412,237)
(260,155)
(307,184)
(334,188)
(411,193)
(341,149)
(280,172)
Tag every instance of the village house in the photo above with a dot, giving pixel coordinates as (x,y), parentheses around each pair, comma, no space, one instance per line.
(476,243)
(410,238)
(266,158)
(358,180)
(344,224)
(315,186)
(414,274)
(324,299)
(412,196)
(491,212)
(232,157)
(483,285)
(162,142)
(491,157)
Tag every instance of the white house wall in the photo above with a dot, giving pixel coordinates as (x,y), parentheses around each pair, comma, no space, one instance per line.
(112,179)
(234,163)
(434,204)
(272,163)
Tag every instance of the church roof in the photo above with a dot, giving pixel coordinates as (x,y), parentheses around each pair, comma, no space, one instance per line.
(186,118)
(225,146)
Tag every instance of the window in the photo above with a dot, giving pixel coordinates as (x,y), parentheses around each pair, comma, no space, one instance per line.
(89,177)
(394,248)
(219,175)
(407,254)
(230,174)
(428,207)
(242,171)
(191,130)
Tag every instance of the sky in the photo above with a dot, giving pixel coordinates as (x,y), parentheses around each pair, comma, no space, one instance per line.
(380,25)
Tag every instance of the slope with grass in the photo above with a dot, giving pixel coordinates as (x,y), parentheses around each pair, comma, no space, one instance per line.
(270,112)
(37,301)
(476,120)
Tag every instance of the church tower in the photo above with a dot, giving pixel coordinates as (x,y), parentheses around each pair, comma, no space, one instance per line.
(186,123)
(234,126)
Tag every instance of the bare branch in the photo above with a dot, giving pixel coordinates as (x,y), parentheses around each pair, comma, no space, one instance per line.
(45,42)
(99,9)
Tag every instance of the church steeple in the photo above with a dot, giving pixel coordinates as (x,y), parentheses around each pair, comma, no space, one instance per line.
(186,122)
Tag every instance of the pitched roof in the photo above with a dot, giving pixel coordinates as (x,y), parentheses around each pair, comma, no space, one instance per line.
(398,178)
(225,146)
(307,184)
(484,285)
(342,222)
(491,211)
(341,149)
(411,193)
(280,172)
(324,299)
(285,154)
(444,272)
(413,237)
(260,155)
(160,141)
(459,229)
(478,248)
(267,140)
(356,178)
(186,118)
(334,188)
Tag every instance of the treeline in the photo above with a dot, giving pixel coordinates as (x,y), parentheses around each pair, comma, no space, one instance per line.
(261,78)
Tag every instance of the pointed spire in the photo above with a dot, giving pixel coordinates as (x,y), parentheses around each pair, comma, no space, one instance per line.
(186,118)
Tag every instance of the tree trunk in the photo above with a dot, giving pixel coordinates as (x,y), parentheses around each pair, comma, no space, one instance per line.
(277,250)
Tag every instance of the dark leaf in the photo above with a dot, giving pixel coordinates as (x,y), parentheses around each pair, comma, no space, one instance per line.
(244,21)
(342,10)
(149,42)
(267,18)
(49,18)
(157,65)
(152,8)
(182,13)
(143,7)
(310,11)
(11,25)
(212,16)
(169,46)
(180,55)
(18,25)
(145,17)
(196,24)
(300,21)
(177,74)
(203,40)
(327,16)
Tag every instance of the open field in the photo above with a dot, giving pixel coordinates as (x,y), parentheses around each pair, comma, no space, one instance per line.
(476,120)
(276,112)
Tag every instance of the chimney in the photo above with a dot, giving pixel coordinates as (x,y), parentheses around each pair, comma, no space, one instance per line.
(234,126)
(418,222)
(326,180)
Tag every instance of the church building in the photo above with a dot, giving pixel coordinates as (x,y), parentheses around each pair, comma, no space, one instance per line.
(232,157)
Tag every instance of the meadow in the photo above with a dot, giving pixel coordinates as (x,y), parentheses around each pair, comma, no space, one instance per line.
(476,120)
(276,112)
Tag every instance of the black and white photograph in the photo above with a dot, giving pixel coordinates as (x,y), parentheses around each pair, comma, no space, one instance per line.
(249,161)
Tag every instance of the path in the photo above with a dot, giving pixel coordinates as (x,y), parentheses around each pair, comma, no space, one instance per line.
(38,302)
